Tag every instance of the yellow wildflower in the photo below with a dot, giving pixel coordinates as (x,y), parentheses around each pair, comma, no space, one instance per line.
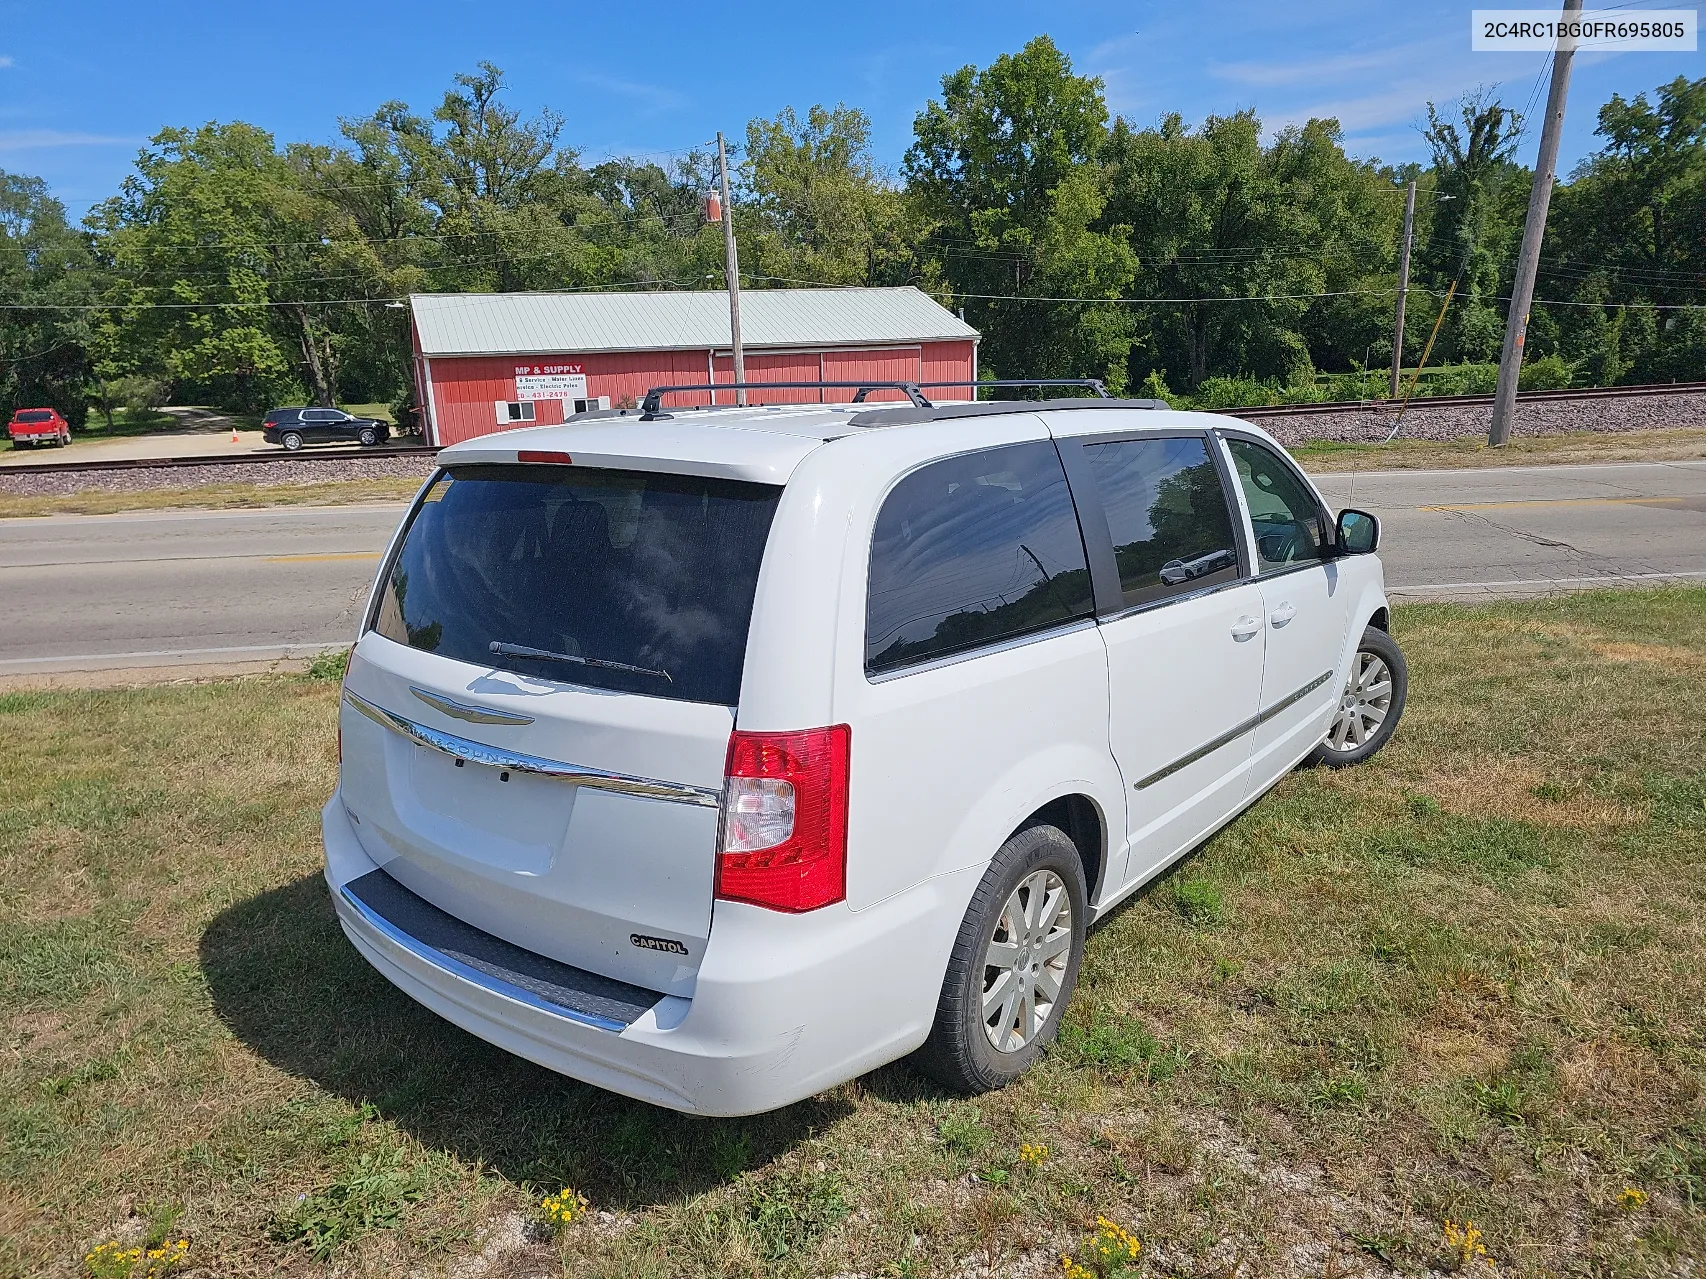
(1074,1270)
(1463,1243)
(1632,1198)
(1032,1155)
(563,1207)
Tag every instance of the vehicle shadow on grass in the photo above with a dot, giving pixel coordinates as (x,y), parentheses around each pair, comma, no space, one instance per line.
(288,984)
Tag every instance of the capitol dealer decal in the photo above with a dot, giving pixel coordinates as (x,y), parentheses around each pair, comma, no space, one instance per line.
(550,382)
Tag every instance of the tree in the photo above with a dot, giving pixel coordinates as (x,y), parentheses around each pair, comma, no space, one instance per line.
(1216,215)
(1631,230)
(44,272)
(817,209)
(1477,219)
(1005,178)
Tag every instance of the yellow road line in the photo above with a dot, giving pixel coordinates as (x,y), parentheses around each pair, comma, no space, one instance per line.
(1555,501)
(314,559)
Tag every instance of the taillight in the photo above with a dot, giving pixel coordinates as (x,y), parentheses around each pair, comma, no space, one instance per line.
(783,840)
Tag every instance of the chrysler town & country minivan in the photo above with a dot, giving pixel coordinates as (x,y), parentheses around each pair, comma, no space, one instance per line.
(717,756)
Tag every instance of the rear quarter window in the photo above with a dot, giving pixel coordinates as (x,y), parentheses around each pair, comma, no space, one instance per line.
(971,551)
(647,579)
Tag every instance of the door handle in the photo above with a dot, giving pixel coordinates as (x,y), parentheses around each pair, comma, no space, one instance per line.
(1245,627)
(1283,614)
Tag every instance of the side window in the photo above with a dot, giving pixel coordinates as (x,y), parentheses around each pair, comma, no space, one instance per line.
(1167,513)
(971,551)
(1284,514)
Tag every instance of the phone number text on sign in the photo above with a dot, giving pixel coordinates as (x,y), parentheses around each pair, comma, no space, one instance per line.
(1591,31)
(550,382)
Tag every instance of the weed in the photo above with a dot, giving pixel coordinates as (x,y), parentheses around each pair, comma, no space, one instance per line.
(964,1134)
(1422,806)
(561,1209)
(1463,1245)
(1199,902)
(789,1213)
(330,664)
(374,1194)
(1118,1046)
(1109,1253)
(110,1261)
(1340,1090)
(1632,1199)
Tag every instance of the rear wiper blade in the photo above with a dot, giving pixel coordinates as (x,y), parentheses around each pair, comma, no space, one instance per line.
(501,649)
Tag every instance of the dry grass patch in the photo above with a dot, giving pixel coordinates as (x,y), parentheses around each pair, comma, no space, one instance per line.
(1585,446)
(1463,982)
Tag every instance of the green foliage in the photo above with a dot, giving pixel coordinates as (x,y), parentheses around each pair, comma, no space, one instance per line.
(246,271)
(331,665)
(1119,1046)
(375,1191)
(789,1213)
(1199,902)
(963,1132)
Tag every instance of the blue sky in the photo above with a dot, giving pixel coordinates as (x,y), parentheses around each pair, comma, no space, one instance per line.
(82,86)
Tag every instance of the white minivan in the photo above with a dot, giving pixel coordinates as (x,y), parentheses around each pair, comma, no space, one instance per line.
(717,756)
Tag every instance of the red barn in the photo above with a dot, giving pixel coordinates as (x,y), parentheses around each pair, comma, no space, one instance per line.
(485,362)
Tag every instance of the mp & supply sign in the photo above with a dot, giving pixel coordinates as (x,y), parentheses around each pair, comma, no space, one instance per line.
(550,382)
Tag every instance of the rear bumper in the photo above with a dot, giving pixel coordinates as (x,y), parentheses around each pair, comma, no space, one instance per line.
(784,1005)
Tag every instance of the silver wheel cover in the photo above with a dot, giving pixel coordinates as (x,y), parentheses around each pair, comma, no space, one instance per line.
(1363,705)
(1024,966)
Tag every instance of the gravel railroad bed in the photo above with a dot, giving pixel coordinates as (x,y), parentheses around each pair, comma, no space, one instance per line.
(1452,422)
(1349,426)
(284,472)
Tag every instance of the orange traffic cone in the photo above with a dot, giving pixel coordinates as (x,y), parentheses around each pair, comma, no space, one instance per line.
(233,435)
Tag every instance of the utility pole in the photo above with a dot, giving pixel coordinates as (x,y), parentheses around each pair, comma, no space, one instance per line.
(732,270)
(1403,286)
(1528,260)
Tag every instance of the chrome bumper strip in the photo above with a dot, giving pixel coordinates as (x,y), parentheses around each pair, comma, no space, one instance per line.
(1232,735)
(438,959)
(515,761)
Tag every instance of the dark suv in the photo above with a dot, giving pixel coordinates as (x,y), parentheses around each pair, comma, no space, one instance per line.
(295,427)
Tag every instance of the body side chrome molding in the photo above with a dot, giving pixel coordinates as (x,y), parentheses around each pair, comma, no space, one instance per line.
(516,761)
(438,959)
(1233,734)
(463,710)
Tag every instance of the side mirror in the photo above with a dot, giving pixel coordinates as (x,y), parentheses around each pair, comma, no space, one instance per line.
(1358,533)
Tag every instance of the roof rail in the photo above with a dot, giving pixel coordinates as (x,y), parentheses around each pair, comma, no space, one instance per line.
(1091,383)
(652,404)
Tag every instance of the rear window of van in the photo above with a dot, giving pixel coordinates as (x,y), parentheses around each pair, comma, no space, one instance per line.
(623,580)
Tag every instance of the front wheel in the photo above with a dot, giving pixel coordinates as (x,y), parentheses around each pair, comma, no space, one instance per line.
(368,437)
(1013,966)
(1370,704)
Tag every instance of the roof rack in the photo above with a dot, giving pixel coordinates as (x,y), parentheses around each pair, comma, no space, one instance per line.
(652,404)
(1089,383)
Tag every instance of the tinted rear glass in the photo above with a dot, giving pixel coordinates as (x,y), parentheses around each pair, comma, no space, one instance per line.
(971,551)
(1167,514)
(34,415)
(649,571)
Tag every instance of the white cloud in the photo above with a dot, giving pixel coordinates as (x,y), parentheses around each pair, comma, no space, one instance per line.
(5,61)
(656,96)
(1262,74)
(30,139)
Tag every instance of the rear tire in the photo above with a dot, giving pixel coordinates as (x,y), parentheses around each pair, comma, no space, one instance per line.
(1013,966)
(368,437)
(292,441)
(1370,704)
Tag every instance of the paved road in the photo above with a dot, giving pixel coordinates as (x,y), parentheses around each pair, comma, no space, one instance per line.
(1533,529)
(87,592)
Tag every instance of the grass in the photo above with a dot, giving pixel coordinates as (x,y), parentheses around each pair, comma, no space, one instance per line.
(1585,446)
(1462,983)
(210,497)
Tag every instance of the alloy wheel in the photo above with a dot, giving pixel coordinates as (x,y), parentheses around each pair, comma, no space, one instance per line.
(1363,705)
(1025,963)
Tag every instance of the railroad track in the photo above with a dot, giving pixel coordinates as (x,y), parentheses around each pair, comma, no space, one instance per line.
(308,457)
(304,458)
(1471,401)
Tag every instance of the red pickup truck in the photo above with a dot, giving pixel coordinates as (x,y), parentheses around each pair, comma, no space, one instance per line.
(39,426)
